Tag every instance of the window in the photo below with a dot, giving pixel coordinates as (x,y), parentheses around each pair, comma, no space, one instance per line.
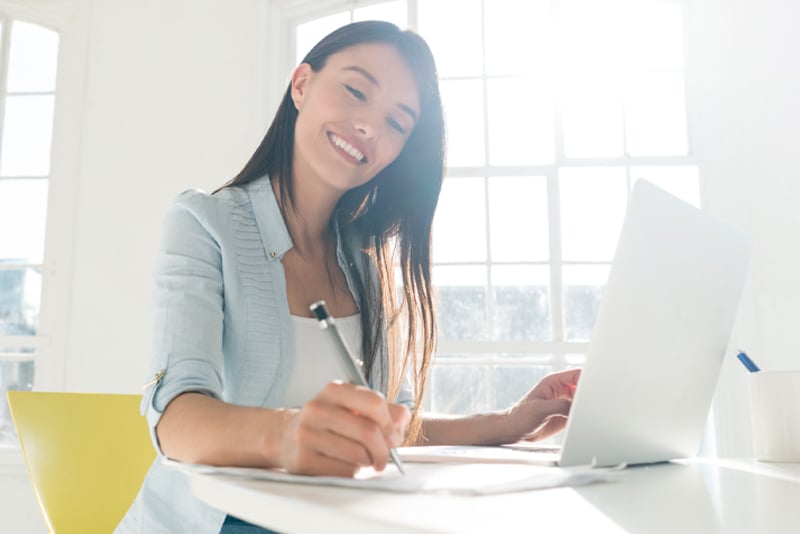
(29,55)
(554,109)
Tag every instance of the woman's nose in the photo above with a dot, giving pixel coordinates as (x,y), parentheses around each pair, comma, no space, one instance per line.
(365,124)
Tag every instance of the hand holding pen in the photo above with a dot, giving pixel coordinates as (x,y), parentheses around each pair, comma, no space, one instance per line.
(348,362)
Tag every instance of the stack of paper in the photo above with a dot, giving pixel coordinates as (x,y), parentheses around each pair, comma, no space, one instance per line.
(441,472)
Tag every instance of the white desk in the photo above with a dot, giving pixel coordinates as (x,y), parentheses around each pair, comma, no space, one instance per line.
(697,496)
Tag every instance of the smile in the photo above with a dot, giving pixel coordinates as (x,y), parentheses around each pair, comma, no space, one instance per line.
(347,147)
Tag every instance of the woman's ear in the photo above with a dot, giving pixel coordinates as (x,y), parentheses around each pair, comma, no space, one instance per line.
(300,78)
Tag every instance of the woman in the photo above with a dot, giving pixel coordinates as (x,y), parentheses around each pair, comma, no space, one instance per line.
(343,187)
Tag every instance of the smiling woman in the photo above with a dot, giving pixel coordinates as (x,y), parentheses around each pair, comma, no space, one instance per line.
(340,193)
(365,103)
(352,163)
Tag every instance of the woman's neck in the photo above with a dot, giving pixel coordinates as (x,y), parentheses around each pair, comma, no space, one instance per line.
(308,219)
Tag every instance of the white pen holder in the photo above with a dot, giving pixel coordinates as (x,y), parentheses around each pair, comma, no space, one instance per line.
(775,415)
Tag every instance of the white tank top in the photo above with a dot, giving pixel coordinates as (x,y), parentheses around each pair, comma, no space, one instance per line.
(315,363)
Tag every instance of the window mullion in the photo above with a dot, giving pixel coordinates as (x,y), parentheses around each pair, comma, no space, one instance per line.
(34,342)
(17,356)
(511,347)
(413,14)
(5,45)
(556,281)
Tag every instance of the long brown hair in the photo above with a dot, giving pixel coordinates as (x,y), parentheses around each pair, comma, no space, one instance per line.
(391,215)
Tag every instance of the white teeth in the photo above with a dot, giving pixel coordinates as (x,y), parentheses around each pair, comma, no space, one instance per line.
(347,147)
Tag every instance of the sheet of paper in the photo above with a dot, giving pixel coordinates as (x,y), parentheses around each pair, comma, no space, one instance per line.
(450,478)
(476,454)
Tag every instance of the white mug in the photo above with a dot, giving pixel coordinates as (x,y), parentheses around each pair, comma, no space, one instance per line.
(775,415)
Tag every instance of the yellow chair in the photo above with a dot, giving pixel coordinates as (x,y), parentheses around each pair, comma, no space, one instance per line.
(86,454)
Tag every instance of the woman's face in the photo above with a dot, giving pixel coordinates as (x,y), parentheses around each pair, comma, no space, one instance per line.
(354,115)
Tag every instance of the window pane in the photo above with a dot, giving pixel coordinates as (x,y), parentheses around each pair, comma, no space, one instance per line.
(598,35)
(519,36)
(521,303)
(656,28)
(16,375)
(683,182)
(33,58)
(23,210)
(655,115)
(310,33)
(27,131)
(593,203)
(518,221)
(20,297)
(591,110)
(583,290)
(459,389)
(456,44)
(575,360)
(592,35)
(459,226)
(461,302)
(395,12)
(463,111)
(511,383)
(520,121)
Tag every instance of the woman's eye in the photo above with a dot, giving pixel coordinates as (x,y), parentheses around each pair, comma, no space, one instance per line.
(396,126)
(356,93)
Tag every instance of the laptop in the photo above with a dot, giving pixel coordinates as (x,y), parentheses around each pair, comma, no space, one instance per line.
(660,336)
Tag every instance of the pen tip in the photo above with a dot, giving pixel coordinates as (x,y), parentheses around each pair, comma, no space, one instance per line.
(397,461)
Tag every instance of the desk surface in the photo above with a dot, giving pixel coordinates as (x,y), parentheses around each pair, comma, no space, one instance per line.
(694,496)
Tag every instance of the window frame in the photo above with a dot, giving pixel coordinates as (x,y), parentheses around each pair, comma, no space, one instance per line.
(558,352)
(71,20)
(35,342)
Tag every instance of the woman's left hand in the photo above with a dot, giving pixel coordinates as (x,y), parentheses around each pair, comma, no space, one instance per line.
(543,411)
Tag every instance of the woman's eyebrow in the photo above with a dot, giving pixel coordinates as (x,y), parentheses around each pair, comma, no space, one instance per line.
(365,73)
(374,81)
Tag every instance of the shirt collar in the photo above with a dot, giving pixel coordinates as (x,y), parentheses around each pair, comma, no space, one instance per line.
(274,234)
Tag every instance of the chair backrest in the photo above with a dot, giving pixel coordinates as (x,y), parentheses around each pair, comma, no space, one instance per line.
(86,455)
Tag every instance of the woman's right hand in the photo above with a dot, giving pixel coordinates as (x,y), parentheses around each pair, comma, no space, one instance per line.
(340,430)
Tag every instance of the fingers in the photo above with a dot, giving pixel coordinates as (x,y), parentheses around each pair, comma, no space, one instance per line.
(556,407)
(343,428)
(360,400)
(565,380)
(348,436)
(313,451)
(552,425)
(401,417)
(558,385)
(536,418)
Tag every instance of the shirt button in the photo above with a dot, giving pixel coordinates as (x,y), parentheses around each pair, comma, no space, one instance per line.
(273,254)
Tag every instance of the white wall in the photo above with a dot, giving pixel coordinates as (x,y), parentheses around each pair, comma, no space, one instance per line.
(744,89)
(174,99)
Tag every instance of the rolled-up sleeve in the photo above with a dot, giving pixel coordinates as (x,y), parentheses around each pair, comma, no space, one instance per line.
(188,309)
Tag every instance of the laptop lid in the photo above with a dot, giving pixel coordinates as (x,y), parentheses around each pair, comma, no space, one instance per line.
(660,335)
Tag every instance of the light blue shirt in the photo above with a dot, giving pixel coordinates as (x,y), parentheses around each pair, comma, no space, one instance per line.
(223,327)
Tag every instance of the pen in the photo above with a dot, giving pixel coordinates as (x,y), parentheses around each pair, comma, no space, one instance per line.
(351,368)
(748,363)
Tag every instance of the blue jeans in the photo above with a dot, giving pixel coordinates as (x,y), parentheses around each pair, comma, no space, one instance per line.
(234,525)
